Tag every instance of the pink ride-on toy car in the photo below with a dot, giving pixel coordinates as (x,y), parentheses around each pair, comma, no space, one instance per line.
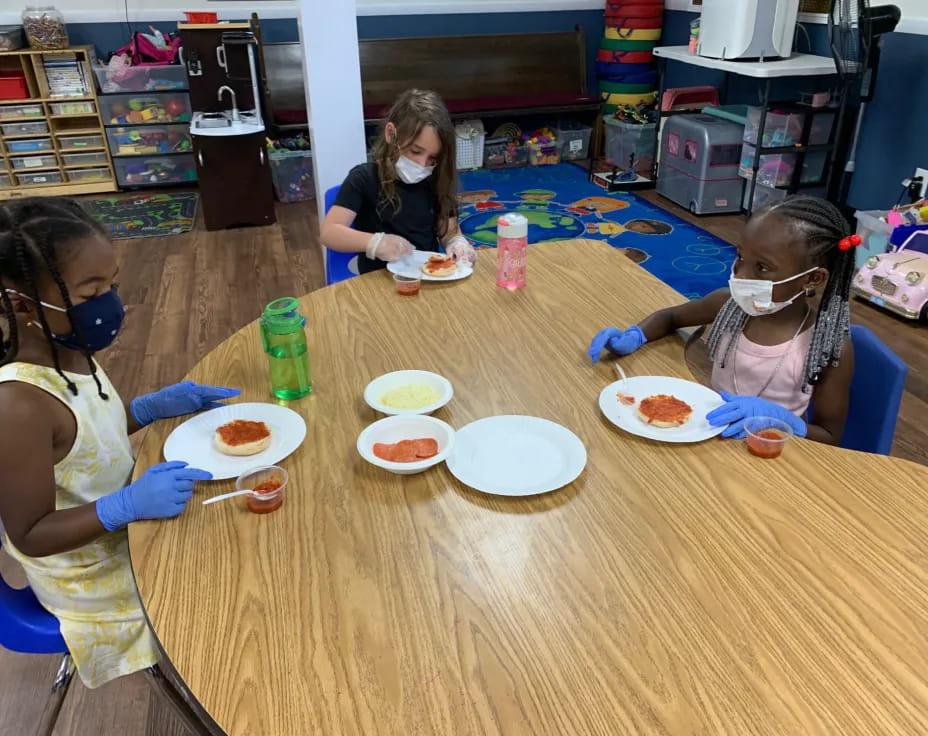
(898,280)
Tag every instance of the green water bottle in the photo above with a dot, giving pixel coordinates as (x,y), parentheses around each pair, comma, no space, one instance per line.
(285,344)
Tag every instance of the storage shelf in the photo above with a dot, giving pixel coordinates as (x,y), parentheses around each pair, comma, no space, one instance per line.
(73,115)
(97,165)
(31,100)
(28,136)
(77,131)
(30,169)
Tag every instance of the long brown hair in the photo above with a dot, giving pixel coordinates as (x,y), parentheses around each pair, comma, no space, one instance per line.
(414,110)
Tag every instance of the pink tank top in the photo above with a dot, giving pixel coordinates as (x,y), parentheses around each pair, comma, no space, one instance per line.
(754,364)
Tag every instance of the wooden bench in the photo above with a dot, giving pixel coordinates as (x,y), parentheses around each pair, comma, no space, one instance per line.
(482,76)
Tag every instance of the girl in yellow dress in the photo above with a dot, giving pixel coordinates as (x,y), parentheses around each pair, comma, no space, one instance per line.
(65,460)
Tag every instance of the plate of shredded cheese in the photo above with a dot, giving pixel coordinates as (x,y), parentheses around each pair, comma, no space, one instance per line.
(408,392)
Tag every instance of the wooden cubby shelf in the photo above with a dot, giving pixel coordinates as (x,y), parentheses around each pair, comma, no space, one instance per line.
(51,127)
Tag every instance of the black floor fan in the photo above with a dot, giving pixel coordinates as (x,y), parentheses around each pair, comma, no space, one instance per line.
(856,30)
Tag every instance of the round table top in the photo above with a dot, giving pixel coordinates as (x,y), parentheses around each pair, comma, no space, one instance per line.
(669,590)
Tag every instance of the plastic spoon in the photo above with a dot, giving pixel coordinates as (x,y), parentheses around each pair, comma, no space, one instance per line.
(621,374)
(233,494)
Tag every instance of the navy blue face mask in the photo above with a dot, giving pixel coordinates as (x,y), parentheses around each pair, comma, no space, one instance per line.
(95,323)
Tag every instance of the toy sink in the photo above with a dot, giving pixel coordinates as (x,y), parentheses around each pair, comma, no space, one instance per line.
(222,124)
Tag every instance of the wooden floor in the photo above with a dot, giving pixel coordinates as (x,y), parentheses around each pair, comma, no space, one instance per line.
(187,293)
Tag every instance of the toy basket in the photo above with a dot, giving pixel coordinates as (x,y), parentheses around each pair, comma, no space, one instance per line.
(471,138)
(292,174)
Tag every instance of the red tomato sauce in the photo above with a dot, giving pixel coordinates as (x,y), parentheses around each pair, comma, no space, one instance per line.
(241,431)
(258,505)
(767,443)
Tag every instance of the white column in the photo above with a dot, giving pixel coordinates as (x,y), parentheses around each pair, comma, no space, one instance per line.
(332,76)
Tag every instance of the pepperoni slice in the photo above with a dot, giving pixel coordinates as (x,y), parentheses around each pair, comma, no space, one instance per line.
(426,448)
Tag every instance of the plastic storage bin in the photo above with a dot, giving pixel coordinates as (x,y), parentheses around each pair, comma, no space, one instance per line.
(292,174)
(813,167)
(543,154)
(494,152)
(12,38)
(631,146)
(5,181)
(762,196)
(79,142)
(780,129)
(30,145)
(822,125)
(874,232)
(148,140)
(134,172)
(79,107)
(776,169)
(13,86)
(37,178)
(42,161)
(573,140)
(146,108)
(84,159)
(79,176)
(36,128)
(20,112)
(143,79)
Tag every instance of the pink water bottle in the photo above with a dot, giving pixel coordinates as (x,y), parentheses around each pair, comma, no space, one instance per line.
(511,251)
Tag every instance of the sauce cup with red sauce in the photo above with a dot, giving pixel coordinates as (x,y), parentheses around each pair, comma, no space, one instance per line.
(766,436)
(268,484)
(407,285)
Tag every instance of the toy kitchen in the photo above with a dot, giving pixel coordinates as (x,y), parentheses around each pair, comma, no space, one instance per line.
(227,127)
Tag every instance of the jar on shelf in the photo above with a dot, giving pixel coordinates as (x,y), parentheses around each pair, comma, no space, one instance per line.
(45,27)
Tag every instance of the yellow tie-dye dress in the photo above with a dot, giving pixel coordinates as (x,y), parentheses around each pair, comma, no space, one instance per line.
(90,589)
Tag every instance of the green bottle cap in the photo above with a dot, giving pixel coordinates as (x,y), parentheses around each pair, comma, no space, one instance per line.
(282,316)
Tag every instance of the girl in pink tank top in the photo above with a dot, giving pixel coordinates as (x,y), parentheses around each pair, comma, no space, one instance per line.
(779,336)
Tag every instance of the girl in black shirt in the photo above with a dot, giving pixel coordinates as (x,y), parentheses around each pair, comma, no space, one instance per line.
(406,198)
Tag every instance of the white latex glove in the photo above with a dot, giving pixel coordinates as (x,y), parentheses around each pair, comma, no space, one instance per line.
(388,247)
(460,249)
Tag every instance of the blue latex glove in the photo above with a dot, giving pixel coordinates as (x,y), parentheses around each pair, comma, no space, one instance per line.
(177,400)
(737,409)
(161,493)
(619,342)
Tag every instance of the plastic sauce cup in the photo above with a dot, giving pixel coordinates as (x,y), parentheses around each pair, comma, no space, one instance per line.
(766,436)
(407,285)
(273,479)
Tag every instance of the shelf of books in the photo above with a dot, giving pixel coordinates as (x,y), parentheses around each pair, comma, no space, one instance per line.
(52,140)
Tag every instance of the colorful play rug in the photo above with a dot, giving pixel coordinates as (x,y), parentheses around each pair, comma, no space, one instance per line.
(144,215)
(561,204)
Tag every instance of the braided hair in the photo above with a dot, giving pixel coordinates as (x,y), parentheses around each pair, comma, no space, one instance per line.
(821,226)
(31,232)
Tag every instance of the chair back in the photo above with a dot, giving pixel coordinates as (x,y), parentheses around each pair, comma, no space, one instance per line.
(876,393)
(338,265)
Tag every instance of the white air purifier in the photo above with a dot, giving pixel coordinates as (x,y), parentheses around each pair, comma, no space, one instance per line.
(747,29)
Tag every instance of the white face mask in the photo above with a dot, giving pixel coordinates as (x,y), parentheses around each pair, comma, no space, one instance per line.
(755,296)
(411,172)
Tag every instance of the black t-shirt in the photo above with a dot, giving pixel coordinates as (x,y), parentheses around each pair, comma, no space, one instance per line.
(414,220)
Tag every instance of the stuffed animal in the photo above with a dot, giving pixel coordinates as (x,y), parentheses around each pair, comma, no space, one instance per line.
(118,69)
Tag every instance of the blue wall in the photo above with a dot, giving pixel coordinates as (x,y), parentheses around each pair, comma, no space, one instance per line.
(895,133)
(110,36)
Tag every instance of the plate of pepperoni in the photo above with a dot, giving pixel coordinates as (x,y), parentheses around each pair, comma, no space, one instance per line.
(194,441)
(661,408)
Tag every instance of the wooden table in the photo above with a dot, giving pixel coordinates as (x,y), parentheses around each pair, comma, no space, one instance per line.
(670,590)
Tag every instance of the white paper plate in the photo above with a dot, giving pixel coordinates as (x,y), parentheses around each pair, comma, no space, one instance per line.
(192,441)
(516,456)
(412,266)
(702,399)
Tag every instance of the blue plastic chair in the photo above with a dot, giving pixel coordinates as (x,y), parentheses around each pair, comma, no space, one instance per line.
(337,264)
(28,628)
(876,393)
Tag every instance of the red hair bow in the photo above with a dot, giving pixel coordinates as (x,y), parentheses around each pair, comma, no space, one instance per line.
(851,241)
